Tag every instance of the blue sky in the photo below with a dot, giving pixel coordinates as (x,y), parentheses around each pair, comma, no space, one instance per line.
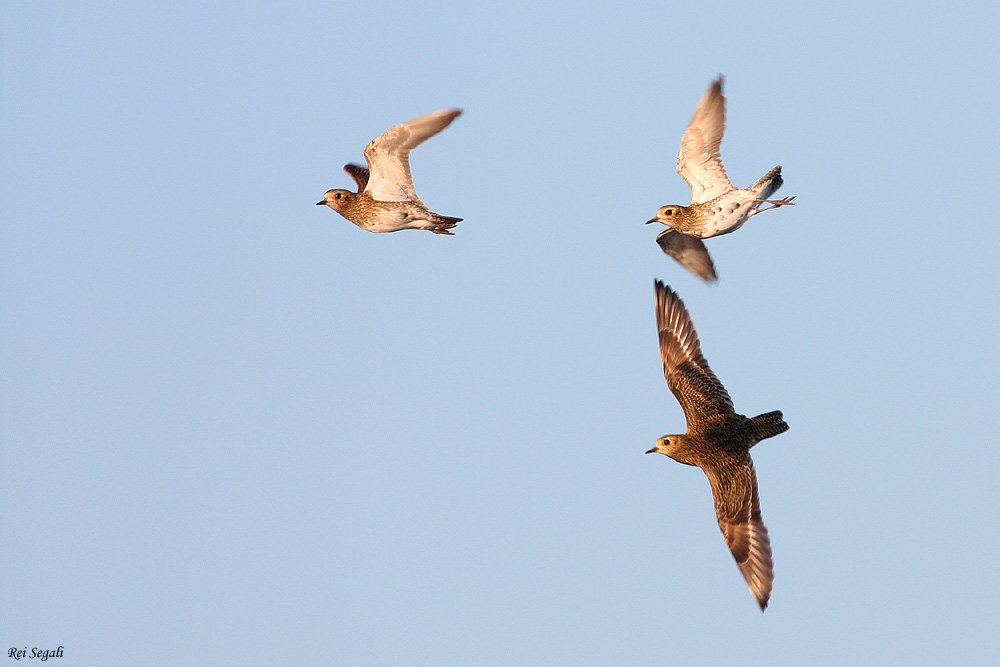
(240,430)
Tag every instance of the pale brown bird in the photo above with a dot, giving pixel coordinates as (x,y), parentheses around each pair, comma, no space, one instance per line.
(718,440)
(386,200)
(717,206)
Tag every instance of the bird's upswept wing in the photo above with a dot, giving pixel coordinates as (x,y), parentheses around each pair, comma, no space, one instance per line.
(688,375)
(700,161)
(359,174)
(388,156)
(737,507)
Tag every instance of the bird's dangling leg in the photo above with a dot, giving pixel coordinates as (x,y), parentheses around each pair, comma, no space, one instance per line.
(774,203)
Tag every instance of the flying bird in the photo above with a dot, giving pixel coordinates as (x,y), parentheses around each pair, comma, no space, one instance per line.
(386,200)
(718,440)
(717,206)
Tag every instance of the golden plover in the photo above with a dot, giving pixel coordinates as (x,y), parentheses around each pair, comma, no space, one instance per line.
(717,206)
(386,200)
(718,440)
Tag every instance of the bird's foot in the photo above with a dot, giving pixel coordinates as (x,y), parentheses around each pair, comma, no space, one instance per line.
(443,230)
(775,203)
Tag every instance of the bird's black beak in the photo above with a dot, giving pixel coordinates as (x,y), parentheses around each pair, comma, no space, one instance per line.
(651,451)
(320,203)
(653,220)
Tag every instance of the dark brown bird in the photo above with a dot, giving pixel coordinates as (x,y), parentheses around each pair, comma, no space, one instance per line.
(718,440)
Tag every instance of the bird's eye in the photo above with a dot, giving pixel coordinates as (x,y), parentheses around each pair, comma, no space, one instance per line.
(336,196)
(668,212)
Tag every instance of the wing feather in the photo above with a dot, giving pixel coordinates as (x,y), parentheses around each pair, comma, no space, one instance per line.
(359,174)
(700,161)
(737,507)
(388,156)
(688,374)
(690,251)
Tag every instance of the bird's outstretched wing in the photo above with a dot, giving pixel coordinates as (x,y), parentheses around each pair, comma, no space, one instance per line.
(700,162)
(737,507)
(690,251)
(688,375)
(359,174)
(389,156)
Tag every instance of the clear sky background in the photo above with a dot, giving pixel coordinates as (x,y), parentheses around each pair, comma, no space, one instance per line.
(240,430)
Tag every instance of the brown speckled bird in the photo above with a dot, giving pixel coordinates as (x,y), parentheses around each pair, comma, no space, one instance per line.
(718,440)
(717,206)
(386,200)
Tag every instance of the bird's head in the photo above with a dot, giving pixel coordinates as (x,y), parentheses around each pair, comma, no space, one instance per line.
(336,199)
(668,214)
(668,445)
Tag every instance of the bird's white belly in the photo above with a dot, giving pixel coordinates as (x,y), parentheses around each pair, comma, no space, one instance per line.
(392,220)
(729,215)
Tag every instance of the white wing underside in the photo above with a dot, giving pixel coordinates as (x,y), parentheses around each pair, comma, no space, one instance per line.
(388,156)
(700,162)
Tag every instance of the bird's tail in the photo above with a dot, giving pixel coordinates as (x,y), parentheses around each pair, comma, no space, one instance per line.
(768,425)
(445,219)
(768,184)
(443,223)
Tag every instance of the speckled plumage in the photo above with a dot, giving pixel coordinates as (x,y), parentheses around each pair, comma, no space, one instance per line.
(718,440)
(386,200)
(717,206)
